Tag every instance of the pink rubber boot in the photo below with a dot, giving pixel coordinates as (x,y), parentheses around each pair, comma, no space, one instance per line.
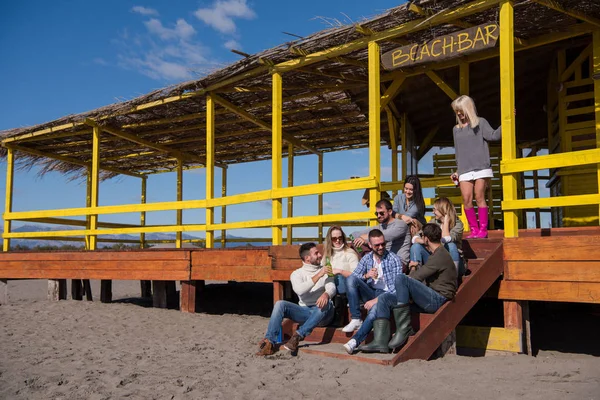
(483,222)
(472,220)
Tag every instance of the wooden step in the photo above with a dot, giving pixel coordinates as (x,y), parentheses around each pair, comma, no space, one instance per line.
(431,329)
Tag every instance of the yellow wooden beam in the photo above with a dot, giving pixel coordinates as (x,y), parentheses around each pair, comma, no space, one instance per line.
(249,117)
(94,184)
(576,64)
(41,132)
(442,84)
(320,198)
(8,199)
(464,79)
(403,139)
(210,166)
(143,213)
(425,145)
(77,222)
(557,6)
(223,208)
(570,159)
(507,106)
(330,74)
(179,213)
(486,338)
(374,121)
(290,200)
(562,201)
(88,203)
(596,73)
(115,231)
(399,30)
(392,91)
(276,143)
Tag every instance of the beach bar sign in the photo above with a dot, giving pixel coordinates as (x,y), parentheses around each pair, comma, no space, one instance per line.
(457,44)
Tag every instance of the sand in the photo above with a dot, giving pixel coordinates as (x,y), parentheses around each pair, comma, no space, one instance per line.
(89,350)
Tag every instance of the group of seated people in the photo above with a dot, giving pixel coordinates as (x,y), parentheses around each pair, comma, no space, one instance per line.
(407,263)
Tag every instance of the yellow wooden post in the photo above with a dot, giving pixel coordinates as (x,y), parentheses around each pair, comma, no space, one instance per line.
(464,88)
(320,226)
(276,139)
(596,74)
(290,200)
(507,101)
(210,168)
(223,208)
(94,183)
(375,124)
(403,139)
(88,203)
(143,213)
(179,234)
(10,172)
(394,170)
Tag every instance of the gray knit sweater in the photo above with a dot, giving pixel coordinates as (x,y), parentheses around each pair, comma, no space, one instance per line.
(472,151)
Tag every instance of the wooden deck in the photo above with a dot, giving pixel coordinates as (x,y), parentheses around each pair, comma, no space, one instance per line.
(561,265)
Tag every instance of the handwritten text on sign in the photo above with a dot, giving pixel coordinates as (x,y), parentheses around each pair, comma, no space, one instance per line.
(454,45)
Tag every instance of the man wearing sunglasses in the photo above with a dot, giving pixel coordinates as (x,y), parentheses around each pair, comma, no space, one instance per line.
(374,275)
(396,232)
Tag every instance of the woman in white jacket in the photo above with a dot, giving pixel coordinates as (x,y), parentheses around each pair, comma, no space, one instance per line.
(341,256)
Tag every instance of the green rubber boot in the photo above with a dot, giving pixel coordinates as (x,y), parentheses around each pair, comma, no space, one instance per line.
(381,336)
(403,326)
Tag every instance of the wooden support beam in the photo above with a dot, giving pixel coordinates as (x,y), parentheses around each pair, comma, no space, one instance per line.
(3,292)
(442,84)
(320,198)
(57,289)
(188,296)
(10,173)
(425,146)
(249,117)
(576,64)
(290,200)
(507,102)
(276,153)
(224,207)
(179,197)
(464,79)
(596,73)
(557,6)
(392,91)
(210,166)
(374,122)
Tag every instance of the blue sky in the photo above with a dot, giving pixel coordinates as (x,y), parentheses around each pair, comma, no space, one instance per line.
(63,57)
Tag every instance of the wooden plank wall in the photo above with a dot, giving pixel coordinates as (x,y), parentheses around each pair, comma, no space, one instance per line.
(555,268)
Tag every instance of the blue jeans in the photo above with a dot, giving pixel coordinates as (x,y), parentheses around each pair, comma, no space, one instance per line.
(419,253)
(308,317)
(408,288)
(340,284)
(358,290)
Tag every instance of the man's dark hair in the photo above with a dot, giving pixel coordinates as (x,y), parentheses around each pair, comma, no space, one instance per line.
(384,203)
(305,249)
(432,232)
(375,233)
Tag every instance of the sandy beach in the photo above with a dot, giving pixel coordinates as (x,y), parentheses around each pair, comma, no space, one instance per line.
(89,350)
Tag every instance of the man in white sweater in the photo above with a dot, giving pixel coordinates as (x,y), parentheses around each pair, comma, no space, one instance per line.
(315,289)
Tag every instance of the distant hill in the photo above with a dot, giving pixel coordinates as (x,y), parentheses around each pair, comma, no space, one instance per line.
(31,243)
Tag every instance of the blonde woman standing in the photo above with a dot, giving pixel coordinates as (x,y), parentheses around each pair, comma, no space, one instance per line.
(471,136)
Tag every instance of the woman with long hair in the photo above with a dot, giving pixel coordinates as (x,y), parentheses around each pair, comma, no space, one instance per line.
(452,231)
(409,204)
(471,136)
(341,256)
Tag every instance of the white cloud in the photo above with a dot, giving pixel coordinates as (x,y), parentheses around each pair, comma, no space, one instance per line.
(99,61)
(232,44)
(221,14)
(182,29)
(144,10)
(331,205)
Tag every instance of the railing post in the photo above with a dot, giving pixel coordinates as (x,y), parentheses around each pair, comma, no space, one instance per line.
(179,234)
(507,101)
(143,213)
(210,169)
(403,140)
(320,198)
(375,124)
(94,184)
(10,173)
(290,200)
(223,208)
(276,142)
(596,75)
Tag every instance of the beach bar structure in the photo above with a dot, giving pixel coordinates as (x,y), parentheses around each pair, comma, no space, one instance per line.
(386,81)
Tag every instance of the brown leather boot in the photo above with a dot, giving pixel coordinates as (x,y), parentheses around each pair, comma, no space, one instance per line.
(266,348)
(293,343)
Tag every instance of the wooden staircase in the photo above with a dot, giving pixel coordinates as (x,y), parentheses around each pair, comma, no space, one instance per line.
(485,266)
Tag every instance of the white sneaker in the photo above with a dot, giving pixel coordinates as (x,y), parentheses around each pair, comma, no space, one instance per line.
(350,346)
(352,326)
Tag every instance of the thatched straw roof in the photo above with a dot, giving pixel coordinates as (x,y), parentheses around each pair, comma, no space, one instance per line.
(325,104)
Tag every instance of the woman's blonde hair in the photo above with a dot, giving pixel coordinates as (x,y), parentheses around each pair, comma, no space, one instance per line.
(328,244)
(445,207)
(415,227)
(467,106)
